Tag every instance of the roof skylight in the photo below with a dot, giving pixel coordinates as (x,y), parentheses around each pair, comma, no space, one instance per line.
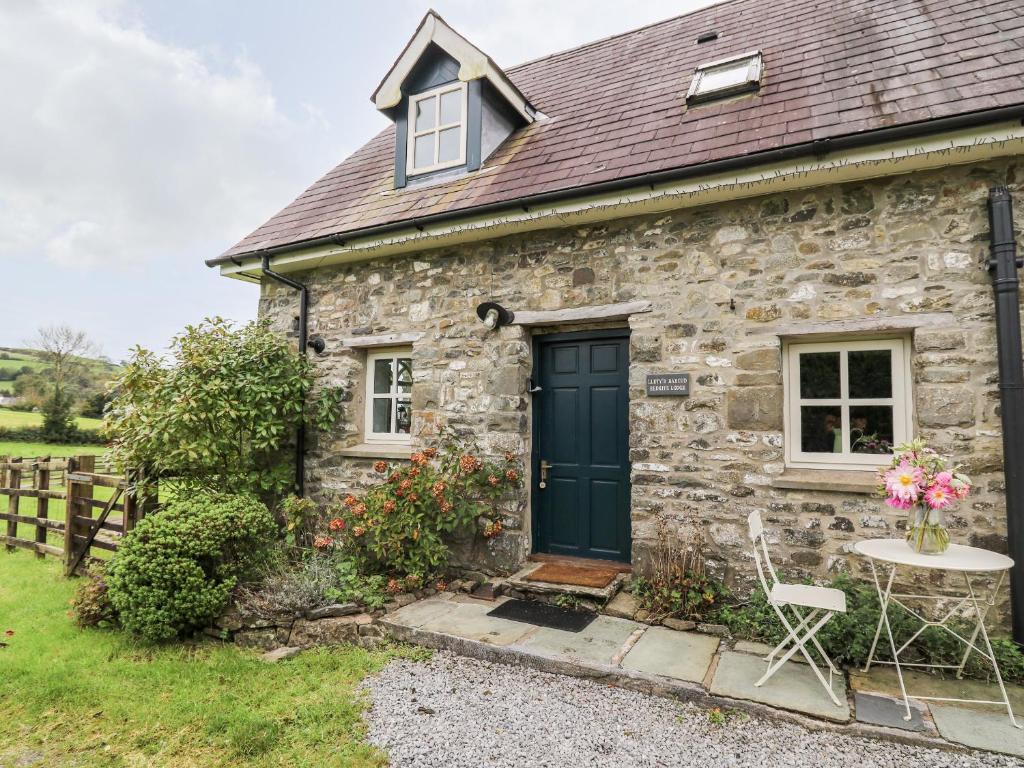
(726,77)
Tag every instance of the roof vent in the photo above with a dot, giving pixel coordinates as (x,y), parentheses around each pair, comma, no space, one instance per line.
(726,77)
(707,37)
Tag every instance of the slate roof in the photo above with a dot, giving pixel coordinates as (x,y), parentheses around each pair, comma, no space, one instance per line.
(616,108)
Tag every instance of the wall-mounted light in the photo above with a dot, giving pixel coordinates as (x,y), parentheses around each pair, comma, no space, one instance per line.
(317,344)
(494,315)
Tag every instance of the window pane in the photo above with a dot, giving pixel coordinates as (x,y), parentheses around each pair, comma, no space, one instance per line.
(449,148)
(382,415)
(821,429)
(451,107)
(425,113)
(423,156)
(819,375)
(404,375)
(724,77)
(382,376)
(871,428)
(870,373)
(403,422)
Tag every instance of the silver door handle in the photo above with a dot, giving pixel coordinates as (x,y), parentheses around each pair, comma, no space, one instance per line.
(545,467)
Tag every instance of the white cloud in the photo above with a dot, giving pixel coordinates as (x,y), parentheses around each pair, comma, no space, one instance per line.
(117,148)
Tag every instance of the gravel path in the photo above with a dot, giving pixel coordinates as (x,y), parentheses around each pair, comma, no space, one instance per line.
(457,712)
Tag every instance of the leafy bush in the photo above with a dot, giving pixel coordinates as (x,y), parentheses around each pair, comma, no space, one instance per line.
(675,582)
(174,572)
(400,525)
(222,414)
(91,606)
(847,637)
(74,436)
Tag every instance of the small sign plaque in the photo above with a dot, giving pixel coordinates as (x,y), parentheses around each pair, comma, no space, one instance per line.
(668,384)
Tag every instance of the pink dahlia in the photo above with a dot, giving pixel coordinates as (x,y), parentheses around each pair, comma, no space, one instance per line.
(904,482)
(939,496)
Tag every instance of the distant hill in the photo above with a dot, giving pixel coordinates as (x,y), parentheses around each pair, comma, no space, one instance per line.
(16,362)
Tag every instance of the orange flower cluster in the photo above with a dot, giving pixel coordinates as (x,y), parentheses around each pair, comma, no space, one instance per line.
(337,524)
(358,531)
(350,501)
(492,480)
(430,452)
(469,463)
(389,506)
(492,529)
(512,475)
(393,587)
(380,467)
(323,542)
(419,459)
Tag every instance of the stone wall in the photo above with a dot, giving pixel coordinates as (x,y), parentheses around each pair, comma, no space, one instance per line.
(724,280)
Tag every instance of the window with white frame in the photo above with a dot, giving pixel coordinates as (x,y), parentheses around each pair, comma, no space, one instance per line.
(388,396)
(726,77)
(437,129)
(847,402)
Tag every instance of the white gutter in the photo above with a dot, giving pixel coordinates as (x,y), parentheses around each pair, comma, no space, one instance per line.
(925,153)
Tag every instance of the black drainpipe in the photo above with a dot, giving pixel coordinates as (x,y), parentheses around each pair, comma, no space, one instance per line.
(300,433)
(1003,266)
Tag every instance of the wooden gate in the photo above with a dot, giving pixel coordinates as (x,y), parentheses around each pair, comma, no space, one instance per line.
(73,532)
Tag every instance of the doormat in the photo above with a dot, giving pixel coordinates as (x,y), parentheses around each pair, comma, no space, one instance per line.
(543,615)
(595,576)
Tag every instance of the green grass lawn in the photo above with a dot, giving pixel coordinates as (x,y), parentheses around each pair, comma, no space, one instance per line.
(23,419)
(98,698)
(35,450)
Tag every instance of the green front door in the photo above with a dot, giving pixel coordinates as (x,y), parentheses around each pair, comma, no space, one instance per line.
(581,445)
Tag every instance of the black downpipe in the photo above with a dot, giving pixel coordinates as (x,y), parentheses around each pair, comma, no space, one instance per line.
(300,433)
(1003,266)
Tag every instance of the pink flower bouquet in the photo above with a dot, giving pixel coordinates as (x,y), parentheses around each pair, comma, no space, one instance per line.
(922,482)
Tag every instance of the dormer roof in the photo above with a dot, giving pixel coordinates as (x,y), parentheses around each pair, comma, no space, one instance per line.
(473,65)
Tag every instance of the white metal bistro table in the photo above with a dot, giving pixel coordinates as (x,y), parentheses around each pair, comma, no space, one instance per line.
(968,561)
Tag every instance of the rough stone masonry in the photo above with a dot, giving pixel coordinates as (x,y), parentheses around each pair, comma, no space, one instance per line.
(724,280)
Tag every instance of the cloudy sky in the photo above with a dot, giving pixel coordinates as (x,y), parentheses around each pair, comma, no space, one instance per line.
(140,138)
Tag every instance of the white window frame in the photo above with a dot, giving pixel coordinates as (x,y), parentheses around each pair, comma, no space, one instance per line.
(901,401)
(751,82)
(410,153)
(369,436)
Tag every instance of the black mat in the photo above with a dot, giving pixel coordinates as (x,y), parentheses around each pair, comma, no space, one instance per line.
(543,615)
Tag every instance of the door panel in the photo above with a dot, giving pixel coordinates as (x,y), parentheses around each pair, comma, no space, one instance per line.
(581,430)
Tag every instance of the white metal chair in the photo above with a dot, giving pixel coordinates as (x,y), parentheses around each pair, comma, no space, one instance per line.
(798,597)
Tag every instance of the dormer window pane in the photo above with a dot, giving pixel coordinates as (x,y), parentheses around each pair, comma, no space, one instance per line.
(449,148)
(425,114)
(437,129)
(724,77)
(451,107)
(424,154)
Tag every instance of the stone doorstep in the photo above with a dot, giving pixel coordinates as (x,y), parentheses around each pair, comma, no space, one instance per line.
(519,581)
(516,651)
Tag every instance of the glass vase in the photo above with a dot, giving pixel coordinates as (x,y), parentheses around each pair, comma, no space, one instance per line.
(926,531)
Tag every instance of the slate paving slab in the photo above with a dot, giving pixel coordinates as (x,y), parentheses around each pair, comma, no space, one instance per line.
(422,611)
(888,711)
(470,621)
(680,655)
(596,644)
(988,729)
(793,687)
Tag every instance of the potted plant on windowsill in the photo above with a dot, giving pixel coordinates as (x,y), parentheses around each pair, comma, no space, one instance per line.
(924,483)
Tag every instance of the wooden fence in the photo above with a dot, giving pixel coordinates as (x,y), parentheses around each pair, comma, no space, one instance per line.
(75,482)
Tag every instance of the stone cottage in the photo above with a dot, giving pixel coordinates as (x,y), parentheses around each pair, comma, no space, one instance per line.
(717,264)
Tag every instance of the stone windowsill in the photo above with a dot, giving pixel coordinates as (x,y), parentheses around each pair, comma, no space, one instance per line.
(377,451)
(837,481)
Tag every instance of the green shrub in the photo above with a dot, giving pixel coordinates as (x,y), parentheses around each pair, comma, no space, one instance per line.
(175,571)
(401,526)
(674,581)
(91,606)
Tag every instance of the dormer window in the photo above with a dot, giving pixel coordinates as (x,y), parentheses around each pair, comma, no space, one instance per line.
(437,129)
(726,77)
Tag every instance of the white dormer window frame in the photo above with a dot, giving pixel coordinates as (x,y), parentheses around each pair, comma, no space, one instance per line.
(435,128)
(726,77)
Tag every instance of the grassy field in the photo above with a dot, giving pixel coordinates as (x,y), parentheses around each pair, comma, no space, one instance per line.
(22,419)
(96,698)
(35,450)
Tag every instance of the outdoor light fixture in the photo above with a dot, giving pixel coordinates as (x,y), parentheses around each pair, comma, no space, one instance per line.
(318,345)
(494,315)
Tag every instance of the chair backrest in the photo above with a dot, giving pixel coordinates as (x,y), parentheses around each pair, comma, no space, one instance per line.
(757,538)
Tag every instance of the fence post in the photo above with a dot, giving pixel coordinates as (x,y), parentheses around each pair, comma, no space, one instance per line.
(131,506)
(14,483)
(42,483)
(3,484)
